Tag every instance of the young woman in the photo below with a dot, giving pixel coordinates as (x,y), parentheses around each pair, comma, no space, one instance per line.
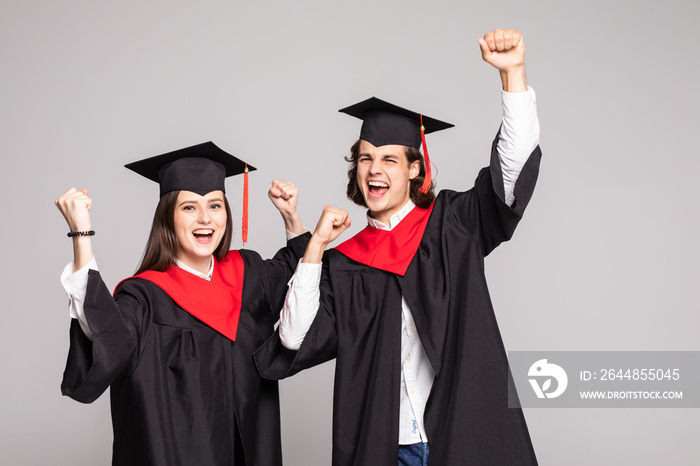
(175,342)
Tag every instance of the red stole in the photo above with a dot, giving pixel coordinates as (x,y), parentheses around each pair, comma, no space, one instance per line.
(389,250)
(217,303)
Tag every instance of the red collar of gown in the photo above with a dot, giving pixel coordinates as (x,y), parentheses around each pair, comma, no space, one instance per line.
(389,250)
(216,302)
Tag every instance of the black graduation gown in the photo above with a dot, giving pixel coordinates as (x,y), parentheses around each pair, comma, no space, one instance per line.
(467,418)
(182,393)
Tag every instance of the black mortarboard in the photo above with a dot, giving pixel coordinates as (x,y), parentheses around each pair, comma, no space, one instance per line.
(385,123)
(201,169)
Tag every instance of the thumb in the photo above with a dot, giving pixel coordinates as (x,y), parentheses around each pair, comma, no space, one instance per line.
(485,51)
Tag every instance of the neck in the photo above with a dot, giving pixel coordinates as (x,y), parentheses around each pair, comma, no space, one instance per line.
(385,216)
(201,265)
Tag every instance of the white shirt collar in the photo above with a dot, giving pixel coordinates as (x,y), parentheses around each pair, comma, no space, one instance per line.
(186,268)
(394,220)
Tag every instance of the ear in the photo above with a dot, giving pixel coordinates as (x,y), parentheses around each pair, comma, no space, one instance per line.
(414,169)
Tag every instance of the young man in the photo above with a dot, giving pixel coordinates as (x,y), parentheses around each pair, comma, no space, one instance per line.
(403,306)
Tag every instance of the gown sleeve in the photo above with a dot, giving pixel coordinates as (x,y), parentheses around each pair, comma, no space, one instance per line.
(483,212)
(115,323)
(277,362)
(277,271)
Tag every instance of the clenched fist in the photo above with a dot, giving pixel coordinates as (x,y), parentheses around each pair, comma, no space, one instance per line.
(504,49)
(284,195)
(75,206)
(332,223)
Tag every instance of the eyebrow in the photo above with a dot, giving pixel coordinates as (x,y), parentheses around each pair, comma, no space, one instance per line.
(384,156)
(192,201)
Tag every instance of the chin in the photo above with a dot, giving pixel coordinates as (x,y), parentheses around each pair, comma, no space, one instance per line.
(373,206)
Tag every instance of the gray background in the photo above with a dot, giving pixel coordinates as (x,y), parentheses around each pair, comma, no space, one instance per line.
(605,258)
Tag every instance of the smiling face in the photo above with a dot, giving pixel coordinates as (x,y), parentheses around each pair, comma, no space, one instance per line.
(384,178)
(200,224)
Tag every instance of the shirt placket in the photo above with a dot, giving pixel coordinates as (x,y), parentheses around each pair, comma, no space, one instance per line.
(413,392)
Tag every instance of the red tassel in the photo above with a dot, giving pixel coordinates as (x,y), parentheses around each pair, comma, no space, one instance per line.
(244,233)
(428,180)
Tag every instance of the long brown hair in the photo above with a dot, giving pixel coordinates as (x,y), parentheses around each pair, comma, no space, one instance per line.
(420,199)
(162,248)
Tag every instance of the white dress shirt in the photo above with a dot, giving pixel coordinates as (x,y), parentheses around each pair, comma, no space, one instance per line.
(518,138)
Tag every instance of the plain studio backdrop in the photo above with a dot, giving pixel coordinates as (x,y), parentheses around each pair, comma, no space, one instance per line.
(604,259)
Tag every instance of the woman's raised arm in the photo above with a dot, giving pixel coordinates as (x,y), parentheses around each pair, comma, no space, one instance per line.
(75,206)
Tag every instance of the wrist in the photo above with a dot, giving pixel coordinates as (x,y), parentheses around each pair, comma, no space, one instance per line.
(514,79)
(314,251)
(80,226)
(292,222)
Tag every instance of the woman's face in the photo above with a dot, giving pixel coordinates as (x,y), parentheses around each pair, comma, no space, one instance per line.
(200,224)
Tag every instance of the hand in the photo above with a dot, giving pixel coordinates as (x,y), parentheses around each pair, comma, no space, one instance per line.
(75,206)
(284,195)
(503,49)
(332,223)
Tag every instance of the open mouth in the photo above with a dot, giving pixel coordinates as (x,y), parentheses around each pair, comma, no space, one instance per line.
(377,188)
(203,235)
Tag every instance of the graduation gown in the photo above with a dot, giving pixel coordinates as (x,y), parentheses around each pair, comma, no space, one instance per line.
(182,393)
(467,418)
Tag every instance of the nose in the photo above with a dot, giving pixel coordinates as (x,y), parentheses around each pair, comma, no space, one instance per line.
(203,216)
(376,166)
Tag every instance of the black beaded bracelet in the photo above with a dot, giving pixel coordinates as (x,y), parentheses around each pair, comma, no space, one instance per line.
(73,234)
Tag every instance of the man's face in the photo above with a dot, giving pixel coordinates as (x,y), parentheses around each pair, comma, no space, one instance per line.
(384,177)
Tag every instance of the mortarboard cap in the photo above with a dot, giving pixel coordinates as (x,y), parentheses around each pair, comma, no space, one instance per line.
(385,123)
(201,169)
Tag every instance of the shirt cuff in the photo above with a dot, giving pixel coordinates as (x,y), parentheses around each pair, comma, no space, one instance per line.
(291,236)
(75,283)
(519,105)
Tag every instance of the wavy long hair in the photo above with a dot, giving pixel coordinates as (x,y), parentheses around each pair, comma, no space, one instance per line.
(162,248)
